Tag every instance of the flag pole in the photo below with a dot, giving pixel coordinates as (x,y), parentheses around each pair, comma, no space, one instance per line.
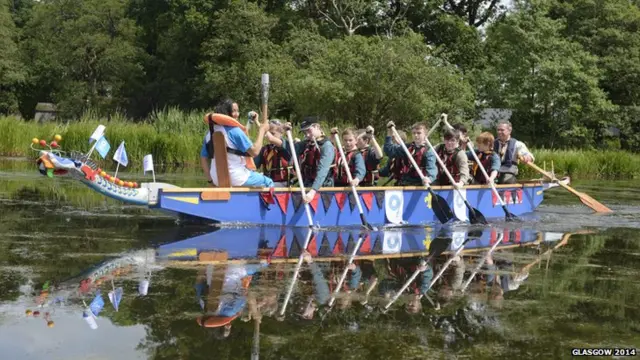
(117,167)
(153,172)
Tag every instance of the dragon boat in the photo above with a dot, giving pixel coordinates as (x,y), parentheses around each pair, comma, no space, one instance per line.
(332,207)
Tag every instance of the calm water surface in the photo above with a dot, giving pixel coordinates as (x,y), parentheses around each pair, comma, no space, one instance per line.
(552,295)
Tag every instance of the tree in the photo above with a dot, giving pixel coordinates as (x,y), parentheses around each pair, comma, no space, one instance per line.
(12,72)
(475,13)
(608,29)
(367,80)
(233,58)
(83,54)
(550,82)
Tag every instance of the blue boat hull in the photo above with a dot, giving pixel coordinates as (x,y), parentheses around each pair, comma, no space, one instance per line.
(287,242)
(243,205)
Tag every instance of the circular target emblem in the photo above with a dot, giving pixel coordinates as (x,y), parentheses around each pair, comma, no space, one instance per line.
(394,203)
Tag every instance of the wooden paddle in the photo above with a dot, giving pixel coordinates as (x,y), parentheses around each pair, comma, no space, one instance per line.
(346,270)
(363,219)
(295,273)
(586,199)
(438,246)
(299,176)
(477,269)
(475,216)
(440,207)
(508,215)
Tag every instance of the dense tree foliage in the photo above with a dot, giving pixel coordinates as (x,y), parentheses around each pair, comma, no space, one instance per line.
(568,69)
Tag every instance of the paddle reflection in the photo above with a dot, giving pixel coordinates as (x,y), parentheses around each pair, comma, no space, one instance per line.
(222,281)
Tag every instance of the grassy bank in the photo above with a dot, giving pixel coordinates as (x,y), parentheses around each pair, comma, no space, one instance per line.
(174,138)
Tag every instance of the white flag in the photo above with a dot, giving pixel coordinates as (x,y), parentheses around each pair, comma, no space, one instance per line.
(97,133)
(147,163)
(121,155)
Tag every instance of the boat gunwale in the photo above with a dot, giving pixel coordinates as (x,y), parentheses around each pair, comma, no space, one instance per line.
(292,260)
(345,189)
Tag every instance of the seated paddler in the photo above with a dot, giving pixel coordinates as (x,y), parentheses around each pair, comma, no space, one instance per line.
(372,155)
(510,151)
(355,161)
(454,159)
(489,160)
(316,156)
(240,149)
(273,159)
(222,294)
(420,152)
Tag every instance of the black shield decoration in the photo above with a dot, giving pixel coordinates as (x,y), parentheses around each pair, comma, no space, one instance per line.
(352,201)
(297,200)
(326,200)
(325,248)
(379,198)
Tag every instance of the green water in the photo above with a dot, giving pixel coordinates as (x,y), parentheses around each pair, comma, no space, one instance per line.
(583,294)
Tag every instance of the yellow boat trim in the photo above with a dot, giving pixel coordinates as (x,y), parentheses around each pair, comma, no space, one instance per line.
(187,199)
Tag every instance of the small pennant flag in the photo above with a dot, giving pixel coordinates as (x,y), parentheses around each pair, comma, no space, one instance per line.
(103,147)
(97,134)
(97,304)
(147,163)
(121,155)
(115,297)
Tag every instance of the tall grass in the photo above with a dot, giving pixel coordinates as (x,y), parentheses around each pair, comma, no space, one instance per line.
(175,137)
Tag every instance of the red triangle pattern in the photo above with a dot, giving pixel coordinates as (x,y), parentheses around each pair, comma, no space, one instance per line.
(281,248)
(340,199)
(365,248)
(312,248)
(338,248)
(314,202)
(368,200)
(283,201)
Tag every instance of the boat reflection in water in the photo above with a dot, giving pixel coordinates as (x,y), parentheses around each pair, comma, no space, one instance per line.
(300,275)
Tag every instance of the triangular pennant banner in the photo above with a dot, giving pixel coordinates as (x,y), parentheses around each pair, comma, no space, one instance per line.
(379,198)
(281,247)
(367,198)
(519,196)
(283,201)
(312,248)
(494,198)
(267,198)
(352,201)
(296,249)
(314,202)
(326,200)
(365,248)
(350,244)
(338,248)
(297,200)
(325,248)
(377,246)
(340,199)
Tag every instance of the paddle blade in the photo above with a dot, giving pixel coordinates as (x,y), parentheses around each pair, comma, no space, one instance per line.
(593,203)
(509,216)
(439,245)
(365,223)
(440,208)
(476,217)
